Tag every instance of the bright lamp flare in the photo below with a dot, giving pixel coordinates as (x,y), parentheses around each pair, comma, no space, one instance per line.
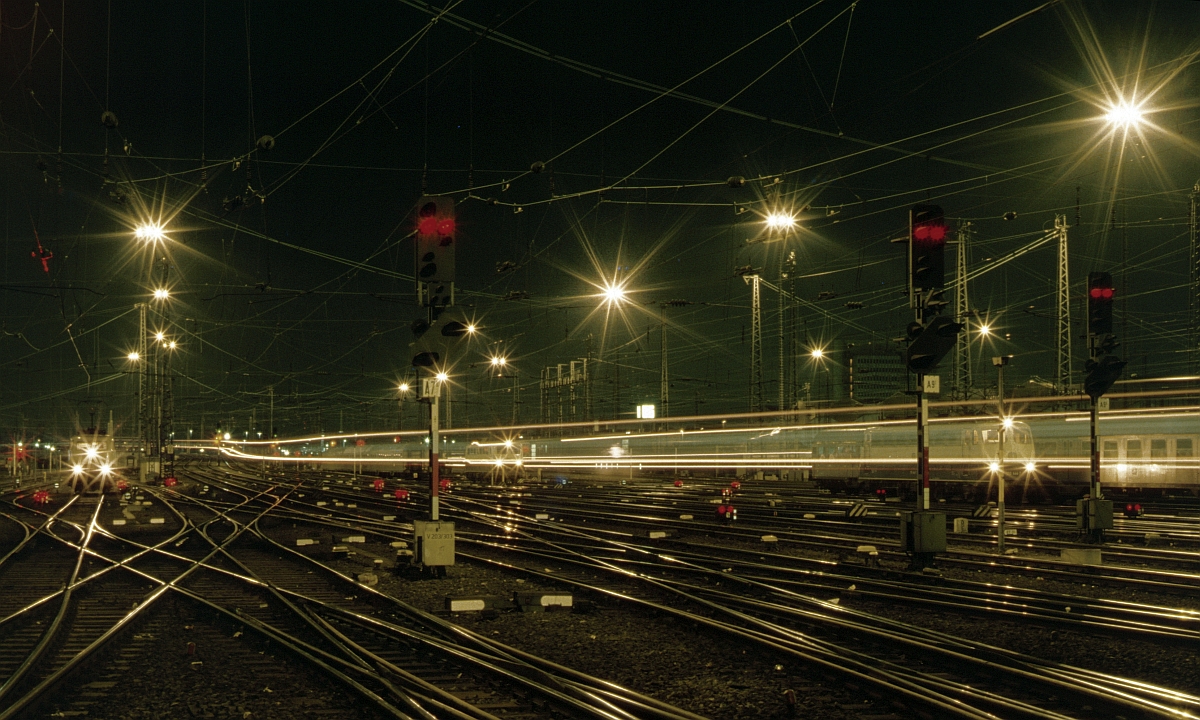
(994,467)
(780,221)
(92,453)
(134,356)
(105,469)
(159,336)
(1125,115)
(77,469)
(1030,467)
(1008,423)
(442,377)
(818,353)
(499,361)
(149,232)
(984,330)
(403,387)
(613,293)
(162,294)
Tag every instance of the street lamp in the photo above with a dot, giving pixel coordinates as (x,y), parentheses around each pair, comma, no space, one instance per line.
(818,353)
(150,232)
(442,377)
(162,294)
(134,356)
(984,331)
(403,388)
(1125,115)
(780,221)
(613,293)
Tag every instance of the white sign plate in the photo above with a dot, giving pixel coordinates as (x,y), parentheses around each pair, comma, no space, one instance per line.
(933,384)
(430,388)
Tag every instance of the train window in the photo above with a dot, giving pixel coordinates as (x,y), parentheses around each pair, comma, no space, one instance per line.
(1183,447)
(1133,448)
(1110,449)
(1158,448)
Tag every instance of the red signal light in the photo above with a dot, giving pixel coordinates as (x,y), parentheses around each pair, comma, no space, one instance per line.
(427,225)
(936,233)
(445,226)
(1106,293)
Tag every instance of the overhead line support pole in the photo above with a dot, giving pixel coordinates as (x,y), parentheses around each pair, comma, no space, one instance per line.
(756,374)
(1063,376)
(1194,245)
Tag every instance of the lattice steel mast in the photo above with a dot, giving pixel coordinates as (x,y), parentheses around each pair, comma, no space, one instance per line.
(1062,381)
(756,370)
(962,350)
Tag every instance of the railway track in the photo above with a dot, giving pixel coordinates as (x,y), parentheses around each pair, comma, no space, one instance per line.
(882,651)
(104,586)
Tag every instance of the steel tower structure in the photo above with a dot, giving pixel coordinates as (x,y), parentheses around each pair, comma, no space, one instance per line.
(756,370)
(962,350)
(1062,380)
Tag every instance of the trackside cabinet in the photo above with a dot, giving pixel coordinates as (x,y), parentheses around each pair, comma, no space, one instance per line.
(923,531)
(1093,514)
(434,542)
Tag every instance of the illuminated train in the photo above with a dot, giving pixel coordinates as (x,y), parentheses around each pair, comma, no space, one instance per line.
(92,460)
(1151,450)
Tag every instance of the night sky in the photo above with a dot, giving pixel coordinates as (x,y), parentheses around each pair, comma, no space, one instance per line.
(291,268)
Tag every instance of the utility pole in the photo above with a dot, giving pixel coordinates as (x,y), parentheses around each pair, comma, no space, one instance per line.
(516,398)
(143,412)
(790,267)
(962,351)
(1062,380)
(782,367)
(1005,423)
(756,374)
(1194,245)
(616,371)
(664,382)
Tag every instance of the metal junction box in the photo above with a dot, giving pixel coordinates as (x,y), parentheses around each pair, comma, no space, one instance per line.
(1093,514)
(434,542)
(923,532)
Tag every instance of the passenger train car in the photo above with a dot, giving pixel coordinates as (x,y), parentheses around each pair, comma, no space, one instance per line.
(92,459)
(1045,455)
